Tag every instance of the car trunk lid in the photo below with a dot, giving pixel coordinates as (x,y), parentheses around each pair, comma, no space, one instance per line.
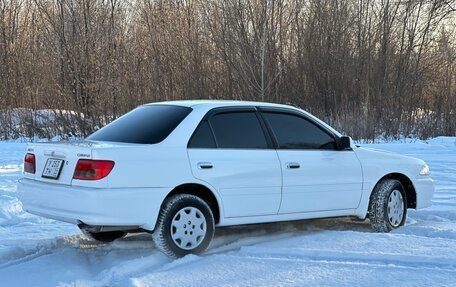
(56,161)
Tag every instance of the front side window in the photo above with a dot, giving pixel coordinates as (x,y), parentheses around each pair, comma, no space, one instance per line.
(148,124)
(295,132)
(241,130)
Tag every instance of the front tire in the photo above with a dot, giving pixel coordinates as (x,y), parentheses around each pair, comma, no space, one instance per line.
(185,226)
(387,206)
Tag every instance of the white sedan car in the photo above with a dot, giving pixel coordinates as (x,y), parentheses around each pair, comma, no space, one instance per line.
(179,169)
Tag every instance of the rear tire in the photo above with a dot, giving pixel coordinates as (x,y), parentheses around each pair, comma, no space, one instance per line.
(108,236)
(387,206)
(185,226)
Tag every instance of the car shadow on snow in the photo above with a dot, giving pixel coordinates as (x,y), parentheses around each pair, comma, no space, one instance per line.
(234,237)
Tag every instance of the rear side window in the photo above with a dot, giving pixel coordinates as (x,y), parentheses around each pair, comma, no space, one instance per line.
(240,130)
(203,137)
(144,125)
(294,132)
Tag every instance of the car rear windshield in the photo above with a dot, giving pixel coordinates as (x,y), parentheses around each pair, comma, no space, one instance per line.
(143,125)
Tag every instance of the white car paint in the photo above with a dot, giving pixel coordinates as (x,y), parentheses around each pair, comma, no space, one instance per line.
(250,186)
(323,176)
(249,182)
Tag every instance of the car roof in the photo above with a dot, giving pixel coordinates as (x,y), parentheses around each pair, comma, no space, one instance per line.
(218,103)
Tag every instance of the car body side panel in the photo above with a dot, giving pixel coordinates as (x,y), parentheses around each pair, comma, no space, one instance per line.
(285,217)
(376,164)
(325,180)
(146,166)
(248,181)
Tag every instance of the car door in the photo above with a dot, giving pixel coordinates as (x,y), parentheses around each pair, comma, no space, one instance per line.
(316,175)
(230,151)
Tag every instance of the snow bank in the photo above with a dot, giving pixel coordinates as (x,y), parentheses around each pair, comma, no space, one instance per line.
(25,125)
(445,141)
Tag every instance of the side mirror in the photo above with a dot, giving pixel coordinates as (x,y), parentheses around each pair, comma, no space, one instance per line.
(344,143)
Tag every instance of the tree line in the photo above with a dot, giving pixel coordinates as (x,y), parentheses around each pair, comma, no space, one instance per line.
(368,67)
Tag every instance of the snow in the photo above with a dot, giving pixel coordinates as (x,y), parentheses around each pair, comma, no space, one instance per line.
(344,252)
(44,124)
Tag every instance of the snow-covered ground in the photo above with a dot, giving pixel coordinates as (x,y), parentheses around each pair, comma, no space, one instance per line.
(326,252)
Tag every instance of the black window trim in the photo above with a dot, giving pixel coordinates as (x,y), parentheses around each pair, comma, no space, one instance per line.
(234,109)
(292,112)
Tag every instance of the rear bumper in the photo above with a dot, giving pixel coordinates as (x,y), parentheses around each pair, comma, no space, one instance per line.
(93,206)
(424,188)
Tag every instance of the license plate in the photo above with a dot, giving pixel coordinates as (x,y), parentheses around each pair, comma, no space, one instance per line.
(52,168)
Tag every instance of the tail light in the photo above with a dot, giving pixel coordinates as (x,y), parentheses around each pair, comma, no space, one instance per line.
(29,163)
(87,169)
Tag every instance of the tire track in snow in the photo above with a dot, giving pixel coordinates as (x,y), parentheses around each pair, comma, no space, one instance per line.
(20,255)
(350,257)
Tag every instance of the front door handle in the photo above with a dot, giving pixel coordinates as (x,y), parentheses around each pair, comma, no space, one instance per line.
(293,165)
(205,165)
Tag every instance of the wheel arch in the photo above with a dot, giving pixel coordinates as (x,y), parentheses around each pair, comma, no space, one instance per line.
(410,191)
(201,191)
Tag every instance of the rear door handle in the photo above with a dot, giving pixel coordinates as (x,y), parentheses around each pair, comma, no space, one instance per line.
(293,165)
(205,165)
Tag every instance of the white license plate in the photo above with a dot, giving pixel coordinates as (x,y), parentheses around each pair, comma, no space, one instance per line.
(52,168)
